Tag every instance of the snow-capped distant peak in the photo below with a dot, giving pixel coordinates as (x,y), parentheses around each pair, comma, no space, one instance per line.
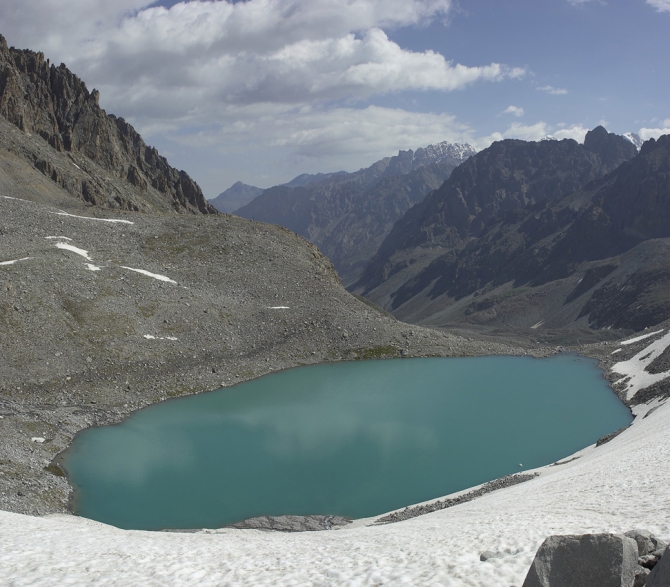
(634,138)
(444,151)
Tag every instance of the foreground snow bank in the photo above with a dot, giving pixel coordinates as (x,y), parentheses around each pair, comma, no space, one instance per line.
(619,486)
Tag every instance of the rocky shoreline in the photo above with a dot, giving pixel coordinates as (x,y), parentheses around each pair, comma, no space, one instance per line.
(85,348)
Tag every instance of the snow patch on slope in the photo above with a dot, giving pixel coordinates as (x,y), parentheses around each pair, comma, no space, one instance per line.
(635,371)
(15,261)
(74,249)
(96,219)
(152,275)
(639,338)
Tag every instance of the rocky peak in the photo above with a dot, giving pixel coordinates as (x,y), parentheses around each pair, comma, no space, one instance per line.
(612,149)
(442,153)
(52,102)
(651,145)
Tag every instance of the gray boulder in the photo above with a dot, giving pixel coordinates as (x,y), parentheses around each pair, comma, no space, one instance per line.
(488,554)
(647,543)
(660,574)
(588,560)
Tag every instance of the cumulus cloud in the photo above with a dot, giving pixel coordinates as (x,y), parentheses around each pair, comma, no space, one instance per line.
(654,133)
(184,62)
(535,132)
(660,5)
(516,110)
(258,74)
(366,133)
(552,90)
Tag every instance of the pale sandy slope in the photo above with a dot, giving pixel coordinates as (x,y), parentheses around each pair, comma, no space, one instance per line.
(617,487)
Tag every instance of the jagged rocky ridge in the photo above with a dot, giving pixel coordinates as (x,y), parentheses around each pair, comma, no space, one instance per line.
(547,234)
(93,155)
(347,215)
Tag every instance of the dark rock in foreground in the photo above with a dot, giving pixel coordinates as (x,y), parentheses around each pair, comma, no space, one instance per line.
(660,575)
(588,560)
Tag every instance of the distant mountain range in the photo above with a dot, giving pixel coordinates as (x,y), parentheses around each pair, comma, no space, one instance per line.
(347,215)
(549,234)
(236,196)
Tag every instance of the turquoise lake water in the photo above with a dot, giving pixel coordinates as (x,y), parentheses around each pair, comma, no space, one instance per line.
(354,439)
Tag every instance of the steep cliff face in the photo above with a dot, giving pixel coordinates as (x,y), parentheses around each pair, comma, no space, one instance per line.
(52,102)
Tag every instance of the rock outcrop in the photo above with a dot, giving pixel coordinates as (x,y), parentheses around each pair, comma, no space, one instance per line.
(293,523)
(93,155)
(605,560)
(660,574)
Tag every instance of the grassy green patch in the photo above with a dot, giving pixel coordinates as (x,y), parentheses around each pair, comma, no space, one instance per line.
(54,469)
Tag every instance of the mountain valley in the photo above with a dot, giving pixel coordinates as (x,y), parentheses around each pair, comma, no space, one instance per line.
(347,215)
(535,235)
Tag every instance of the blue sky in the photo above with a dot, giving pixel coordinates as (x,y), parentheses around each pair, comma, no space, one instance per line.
(263,90)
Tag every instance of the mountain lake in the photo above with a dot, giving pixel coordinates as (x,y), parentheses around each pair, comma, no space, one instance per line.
(354,439)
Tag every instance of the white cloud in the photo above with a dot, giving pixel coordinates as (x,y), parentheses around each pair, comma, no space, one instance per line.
(660,5)
(654,133)
(535,132)
(516,110)
(576,132)
(185,63)
(552,90)
(255,75)
(364,134)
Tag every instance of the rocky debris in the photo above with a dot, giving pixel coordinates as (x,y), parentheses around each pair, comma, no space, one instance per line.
(292,523)
(420,510)
(605,439)
(660,574)
(587,560)
(647,544)
(95,157)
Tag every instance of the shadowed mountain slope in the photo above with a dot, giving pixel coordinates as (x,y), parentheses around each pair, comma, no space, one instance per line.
(513,245)
(237,195)
(348,214)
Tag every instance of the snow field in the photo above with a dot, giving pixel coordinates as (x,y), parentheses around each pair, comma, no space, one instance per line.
(617,487)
